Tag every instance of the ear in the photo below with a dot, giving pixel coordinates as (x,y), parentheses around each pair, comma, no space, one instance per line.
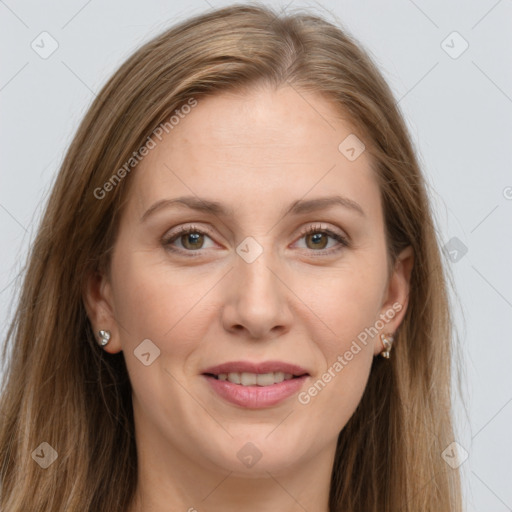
(99,305)
(396,296)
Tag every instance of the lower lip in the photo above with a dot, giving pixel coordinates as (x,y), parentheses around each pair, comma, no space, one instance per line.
(256,397)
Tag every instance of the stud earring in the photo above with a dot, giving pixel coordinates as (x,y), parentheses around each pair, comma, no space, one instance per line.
(387,341)
(104,338)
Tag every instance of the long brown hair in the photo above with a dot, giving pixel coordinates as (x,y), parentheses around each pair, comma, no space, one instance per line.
(62,389)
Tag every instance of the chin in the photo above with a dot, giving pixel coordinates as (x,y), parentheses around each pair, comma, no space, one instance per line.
(257,455)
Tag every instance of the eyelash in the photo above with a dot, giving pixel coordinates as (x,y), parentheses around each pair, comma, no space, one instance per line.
(343,242)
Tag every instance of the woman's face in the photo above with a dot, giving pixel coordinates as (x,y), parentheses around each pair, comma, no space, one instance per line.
(249,283)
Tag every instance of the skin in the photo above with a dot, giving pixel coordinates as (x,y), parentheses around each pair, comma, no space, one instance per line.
(255,153)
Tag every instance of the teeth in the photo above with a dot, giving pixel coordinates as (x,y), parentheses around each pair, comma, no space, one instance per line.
(233,377)
(280,376)
(266,379)
(253,379)
(247,379)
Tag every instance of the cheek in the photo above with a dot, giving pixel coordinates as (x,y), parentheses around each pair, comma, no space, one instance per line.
(347,306)
(346,300)
(165,306)
(156,301)
(349,303)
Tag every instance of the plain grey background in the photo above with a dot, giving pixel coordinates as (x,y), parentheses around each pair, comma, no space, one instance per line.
(449,66)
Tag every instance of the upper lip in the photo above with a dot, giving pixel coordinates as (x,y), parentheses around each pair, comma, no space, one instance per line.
(252,367)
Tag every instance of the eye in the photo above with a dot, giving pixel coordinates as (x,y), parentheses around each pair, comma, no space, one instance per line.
(317,237)
(191,238)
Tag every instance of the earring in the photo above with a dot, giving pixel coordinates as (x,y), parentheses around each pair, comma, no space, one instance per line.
(104,338)
(387,341)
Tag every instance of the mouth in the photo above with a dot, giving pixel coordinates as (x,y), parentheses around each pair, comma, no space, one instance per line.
(255,385)
(255,379)
(248,373)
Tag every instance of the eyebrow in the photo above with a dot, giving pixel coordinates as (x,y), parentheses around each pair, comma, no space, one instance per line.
(297,207)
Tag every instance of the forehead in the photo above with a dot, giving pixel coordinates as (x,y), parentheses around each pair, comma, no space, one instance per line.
(265,143)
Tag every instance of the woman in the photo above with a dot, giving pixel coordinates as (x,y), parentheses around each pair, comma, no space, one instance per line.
(239,232)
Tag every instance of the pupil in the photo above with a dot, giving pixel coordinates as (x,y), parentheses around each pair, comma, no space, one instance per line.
(317,238)
(192,237)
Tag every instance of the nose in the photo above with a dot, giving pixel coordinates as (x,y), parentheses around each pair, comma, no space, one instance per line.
(257,305)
